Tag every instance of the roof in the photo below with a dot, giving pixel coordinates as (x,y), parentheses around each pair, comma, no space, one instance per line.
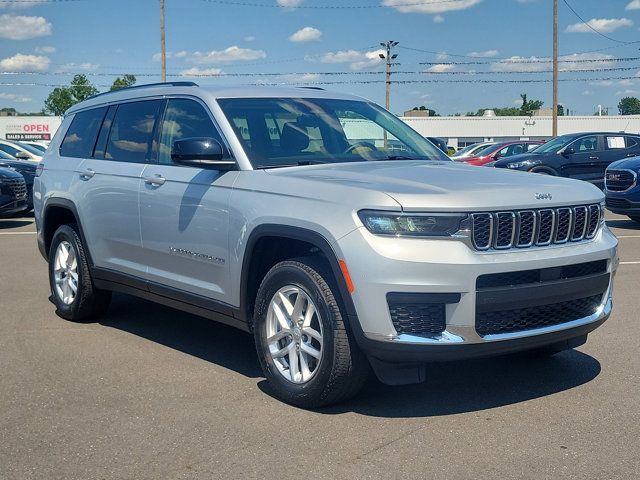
(211,92)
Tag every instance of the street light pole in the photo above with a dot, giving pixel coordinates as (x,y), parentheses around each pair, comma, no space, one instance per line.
(388,56)
(163,49)
(555,68)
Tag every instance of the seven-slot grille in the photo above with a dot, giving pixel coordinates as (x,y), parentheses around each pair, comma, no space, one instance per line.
(18,187)
(526,228)
(619,180)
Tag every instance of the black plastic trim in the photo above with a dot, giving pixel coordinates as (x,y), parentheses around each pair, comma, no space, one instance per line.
(448,298)
(69,205)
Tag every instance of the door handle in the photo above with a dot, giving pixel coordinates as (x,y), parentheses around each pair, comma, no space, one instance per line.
(593,158)
(87,174)
(155,181)
(632,154)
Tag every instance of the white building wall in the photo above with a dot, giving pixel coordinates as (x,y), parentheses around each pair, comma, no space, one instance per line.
(490,128)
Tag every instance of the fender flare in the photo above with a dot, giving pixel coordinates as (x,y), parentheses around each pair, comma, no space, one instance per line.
(544,168)
(294,233)
(68,205)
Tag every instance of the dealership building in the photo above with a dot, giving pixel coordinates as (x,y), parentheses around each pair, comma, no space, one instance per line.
(462,131)
(458,131)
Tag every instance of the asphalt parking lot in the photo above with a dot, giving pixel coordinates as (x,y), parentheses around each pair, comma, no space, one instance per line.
(150,392)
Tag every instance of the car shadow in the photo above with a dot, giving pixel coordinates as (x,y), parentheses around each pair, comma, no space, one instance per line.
(451,388)
(626,224)
(6,223)
(203,338)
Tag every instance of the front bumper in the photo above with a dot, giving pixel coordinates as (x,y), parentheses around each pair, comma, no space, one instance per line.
(13,206)
(382,265)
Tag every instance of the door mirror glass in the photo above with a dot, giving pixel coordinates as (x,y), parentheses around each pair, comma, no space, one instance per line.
(23,156)
(202,152)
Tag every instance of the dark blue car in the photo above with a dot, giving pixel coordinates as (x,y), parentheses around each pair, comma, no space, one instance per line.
(621,188)
(583,156)
(26,168)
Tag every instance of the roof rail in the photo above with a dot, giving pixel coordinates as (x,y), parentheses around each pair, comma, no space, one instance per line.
(312,88)
(146,85)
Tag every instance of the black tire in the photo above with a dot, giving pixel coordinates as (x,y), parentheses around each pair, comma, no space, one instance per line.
(343,368)
(89,302)
(635,218)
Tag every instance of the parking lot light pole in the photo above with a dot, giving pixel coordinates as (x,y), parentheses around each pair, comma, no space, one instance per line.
(388,56)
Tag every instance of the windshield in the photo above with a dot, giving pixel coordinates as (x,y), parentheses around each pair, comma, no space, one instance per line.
(553,145)
(488,150)
(30,149)
(277,132)
(36,146)
(5,156)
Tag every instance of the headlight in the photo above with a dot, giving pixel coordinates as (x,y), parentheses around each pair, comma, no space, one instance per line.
(523,164)
(417,225)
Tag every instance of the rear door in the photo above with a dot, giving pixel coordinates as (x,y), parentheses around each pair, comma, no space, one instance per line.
(111,178)
(583,162)
(184,211)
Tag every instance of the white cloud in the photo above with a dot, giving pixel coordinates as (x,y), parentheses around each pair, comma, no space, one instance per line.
(438,19)
(429,6)
(21,5)
(196,71)
(577,61)
(485,54)
(20,27)
(587,92)
(603,25)
(306,34)
(45,49)
(13,97)
(440,68)
(249,38)
(357,60)
(24,63)
(289,3)
(634,5)
(305,77)
(228,55)
(76,67)
(180,54)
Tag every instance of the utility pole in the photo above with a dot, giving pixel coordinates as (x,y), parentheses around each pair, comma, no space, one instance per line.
(555,68)
(388,57)
(163,49)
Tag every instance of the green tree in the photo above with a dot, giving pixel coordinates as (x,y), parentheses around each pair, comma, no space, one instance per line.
(629,106)
(529,106)
(127,80)
(63,98)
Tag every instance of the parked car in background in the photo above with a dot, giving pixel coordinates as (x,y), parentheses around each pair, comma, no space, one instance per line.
(621,188)
(441,143)
(583,156)
(25,168)
(253,207)
(13,192)
(501,150)
(37,145)
(471,150)
(20,151)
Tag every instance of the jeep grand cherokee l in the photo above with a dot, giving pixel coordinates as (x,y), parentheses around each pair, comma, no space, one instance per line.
(287,213)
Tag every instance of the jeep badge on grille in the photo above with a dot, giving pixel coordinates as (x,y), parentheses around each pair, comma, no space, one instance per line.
(543,196)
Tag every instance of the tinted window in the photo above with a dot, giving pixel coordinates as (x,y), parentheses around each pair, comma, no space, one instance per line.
(632,142)
(184,119)
(585,144)
(81,135)
(8,149)
(132,131)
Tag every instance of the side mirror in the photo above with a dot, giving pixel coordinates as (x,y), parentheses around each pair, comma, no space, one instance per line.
(496,155)
(22,156)
(568,151)
(201,152)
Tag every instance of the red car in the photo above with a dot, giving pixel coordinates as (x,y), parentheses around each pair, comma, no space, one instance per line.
(502,150)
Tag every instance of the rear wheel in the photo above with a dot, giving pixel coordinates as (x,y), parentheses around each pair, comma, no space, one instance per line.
(75,296)
(306,353)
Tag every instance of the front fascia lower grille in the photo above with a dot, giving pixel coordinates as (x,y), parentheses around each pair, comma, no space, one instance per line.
(528,228)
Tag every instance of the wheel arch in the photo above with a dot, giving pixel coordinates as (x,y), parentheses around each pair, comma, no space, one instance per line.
(249,283)
(56,212)
(545,169)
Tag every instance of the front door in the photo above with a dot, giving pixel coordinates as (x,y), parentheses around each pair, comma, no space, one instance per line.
(184,211)
(582,159)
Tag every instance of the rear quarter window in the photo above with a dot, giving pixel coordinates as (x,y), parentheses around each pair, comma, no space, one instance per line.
(82,133)
(132,131)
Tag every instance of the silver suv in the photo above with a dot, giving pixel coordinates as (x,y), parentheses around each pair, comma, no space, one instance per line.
(337,235)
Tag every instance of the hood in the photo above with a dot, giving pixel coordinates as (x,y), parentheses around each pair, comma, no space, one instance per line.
(8,173)
(447,186)
(501,162)
(19,164)
(632,163)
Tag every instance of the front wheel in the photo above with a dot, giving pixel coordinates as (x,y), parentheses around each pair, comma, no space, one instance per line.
(305,350)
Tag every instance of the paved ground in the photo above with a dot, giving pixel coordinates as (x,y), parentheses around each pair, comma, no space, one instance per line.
(150,392)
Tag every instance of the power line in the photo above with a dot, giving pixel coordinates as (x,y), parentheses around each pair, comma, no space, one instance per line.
(534,61)
(331,7)
(589,25)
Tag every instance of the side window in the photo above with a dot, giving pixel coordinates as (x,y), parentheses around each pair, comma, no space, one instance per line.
(531,146)
(632,142)
(585,144)
(81,135)
(184,118)
(614,142)
(504,152)
(132,131)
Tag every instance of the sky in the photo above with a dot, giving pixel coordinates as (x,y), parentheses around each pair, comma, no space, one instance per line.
(452,51)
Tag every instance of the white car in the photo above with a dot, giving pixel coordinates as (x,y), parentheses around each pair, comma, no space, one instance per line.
(21,151)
